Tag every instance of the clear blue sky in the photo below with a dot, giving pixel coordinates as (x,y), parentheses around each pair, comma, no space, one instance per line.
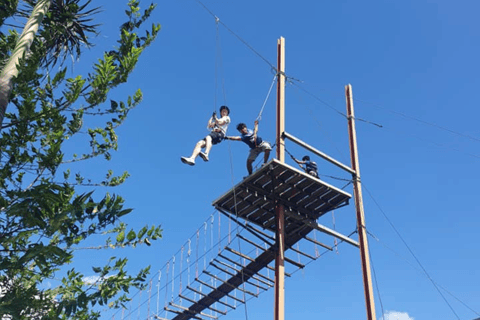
(405,60)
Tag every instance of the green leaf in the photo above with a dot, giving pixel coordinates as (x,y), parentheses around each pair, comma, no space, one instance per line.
(142,232)
(131,235)
(121,237)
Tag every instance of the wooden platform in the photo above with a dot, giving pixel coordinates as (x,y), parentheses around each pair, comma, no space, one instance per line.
(254,198)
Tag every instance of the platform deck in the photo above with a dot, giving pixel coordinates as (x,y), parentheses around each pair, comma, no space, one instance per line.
(255,197)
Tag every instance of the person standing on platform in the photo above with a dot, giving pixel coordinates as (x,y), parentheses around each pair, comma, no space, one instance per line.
(218,127)
(256,144)
(310,166)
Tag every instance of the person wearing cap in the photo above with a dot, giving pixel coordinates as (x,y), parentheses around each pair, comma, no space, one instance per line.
(218,127)
(310,166)
(256,144)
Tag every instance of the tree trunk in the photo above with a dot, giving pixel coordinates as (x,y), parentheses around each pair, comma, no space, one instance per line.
(10,71)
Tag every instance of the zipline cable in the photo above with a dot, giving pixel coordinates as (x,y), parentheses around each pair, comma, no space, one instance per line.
(333,108)
(423,121)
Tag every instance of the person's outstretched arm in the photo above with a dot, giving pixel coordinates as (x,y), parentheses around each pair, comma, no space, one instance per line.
(233,138)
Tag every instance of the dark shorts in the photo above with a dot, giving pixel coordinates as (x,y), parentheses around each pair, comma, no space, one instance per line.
(313,173)
(217,137)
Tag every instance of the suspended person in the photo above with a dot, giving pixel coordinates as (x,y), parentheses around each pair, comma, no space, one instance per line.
(218,127)
(310,166)
(256,144)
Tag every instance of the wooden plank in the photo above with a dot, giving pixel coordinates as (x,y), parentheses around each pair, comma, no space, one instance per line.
(190,311)
(231,285)
(204,294)
(298,265)
(250,259)
(239,273)
(209,307)
(318,243)
(241,266)
(245,270)
(303,253)
(213,288)
(180,313)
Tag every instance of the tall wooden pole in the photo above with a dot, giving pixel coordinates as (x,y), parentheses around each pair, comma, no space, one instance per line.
(357,188)
(280,98)
(279,313)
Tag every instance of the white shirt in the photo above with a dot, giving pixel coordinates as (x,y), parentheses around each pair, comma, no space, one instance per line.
(224,127)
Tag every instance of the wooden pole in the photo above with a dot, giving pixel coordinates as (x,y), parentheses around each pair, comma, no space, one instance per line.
(357,188)
(280,99)
(279,312)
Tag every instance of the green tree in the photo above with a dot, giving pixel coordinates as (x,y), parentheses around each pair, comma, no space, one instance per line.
(46,213)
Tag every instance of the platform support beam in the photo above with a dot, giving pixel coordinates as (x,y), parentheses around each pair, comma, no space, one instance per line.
(317,152)
(279,307)
(357,188)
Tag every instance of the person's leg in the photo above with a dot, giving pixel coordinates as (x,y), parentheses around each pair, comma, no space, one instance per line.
(251,158)
(249,166)
(266,155)
(208,145)
(198,147)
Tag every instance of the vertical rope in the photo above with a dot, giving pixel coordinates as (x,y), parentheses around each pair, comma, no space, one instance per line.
(189,252)
(196,259)
(139,304)
(298,253)
(173,276)
(211,238)
(219,59)
(219,234)
(205,247)
(181,272)
(166,291)
(334,238)
(131,307)
(149,298)
(216,67)
(258,282)
(229,230)
(317,253)
(268,270)
(215,305)
(158,291)
(226,296)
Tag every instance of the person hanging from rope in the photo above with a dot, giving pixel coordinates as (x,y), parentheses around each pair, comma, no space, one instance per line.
(310,166)
(256,144)
(218,127)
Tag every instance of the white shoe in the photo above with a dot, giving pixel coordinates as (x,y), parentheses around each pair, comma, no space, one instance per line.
(204,156)
(188,161)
